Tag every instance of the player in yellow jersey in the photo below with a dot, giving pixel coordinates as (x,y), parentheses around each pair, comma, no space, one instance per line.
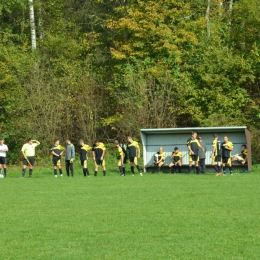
(227,147)
(134,154)
(28,151)
(216,154)
(57,150)
(242,156)
(177,158)
(193,147)
(121,158)
(160,159)
(98,153)
(83,157)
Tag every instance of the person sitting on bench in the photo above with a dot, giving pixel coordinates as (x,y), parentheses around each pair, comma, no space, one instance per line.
(159,159)
(241,157)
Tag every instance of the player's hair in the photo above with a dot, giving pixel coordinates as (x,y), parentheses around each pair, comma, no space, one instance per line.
(68,139)
(243,145)
(55,140)
(225,136)
(200,138)
(116,142)
(81,141)
(29,139)
(176,148)
(194,132)
(215,135)
(96,141)
(1,139)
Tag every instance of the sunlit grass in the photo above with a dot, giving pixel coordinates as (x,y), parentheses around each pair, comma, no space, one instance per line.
(161,216)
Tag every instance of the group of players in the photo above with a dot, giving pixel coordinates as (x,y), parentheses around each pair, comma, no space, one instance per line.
(221,155)
(98,154)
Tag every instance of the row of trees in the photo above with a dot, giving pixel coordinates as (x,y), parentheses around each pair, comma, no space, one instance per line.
(105,69)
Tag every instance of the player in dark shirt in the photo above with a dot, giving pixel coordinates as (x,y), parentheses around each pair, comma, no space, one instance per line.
(193,147)
(134,153)
(177,157)
(98,153)
(227,147)
(83,157)
(57,150)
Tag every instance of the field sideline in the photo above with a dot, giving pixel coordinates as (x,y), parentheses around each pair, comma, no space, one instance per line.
(160,216)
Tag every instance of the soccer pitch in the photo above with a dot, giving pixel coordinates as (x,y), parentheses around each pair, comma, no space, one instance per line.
(162,216)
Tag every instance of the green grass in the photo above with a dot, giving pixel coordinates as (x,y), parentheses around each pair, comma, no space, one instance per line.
(151,217)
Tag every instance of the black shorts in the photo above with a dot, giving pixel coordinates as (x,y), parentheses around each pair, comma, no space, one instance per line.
(82,162)
(132,159)
(2,160)
(99,161)
(194,157)
(30,159)
(119,158)
(55,160)
(225,159)
(218,158)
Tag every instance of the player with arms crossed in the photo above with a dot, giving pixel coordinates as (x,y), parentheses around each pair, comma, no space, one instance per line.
(134,153)
(177,157)
(193,147)
(57,150)
(28,151)
(83,157)
(227,147)
(216,155)
(3,150)
(98,153)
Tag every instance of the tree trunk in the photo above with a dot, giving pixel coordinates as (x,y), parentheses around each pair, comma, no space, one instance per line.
(207,18)
(32,23)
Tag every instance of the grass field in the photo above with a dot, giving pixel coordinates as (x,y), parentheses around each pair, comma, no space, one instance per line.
(160,216)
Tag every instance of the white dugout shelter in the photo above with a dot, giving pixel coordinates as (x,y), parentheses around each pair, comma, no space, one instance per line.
(169,138)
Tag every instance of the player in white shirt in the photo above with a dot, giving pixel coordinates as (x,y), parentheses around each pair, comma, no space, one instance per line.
(3,150)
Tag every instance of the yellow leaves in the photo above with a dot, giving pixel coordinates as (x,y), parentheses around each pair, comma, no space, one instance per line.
(186,36)
(117,54)
(112,121)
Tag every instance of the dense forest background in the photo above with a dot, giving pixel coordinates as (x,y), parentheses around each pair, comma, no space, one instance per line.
(104,69)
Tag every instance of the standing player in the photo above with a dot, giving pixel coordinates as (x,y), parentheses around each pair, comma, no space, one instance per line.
(83,157)
(57,150)
(28,151)
(202,156)
(177,157)
(133,147)
(216,154)
(3,150)
(227,147)
(70,157)
(193,146)
(98,153)
(160,159)
(121,157)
